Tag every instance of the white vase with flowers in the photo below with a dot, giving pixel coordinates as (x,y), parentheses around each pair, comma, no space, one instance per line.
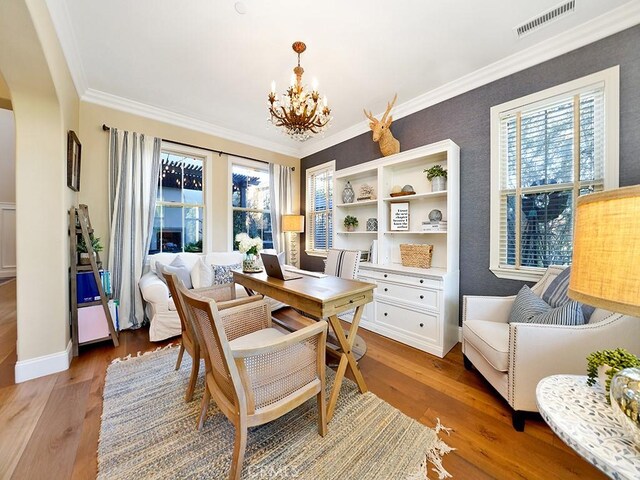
(250,247)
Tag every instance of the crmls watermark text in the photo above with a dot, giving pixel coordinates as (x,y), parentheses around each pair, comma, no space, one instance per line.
(271,471)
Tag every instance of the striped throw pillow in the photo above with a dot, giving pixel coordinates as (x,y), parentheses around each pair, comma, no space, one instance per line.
(526,306)
(529,308)
(568,314)
(556,293)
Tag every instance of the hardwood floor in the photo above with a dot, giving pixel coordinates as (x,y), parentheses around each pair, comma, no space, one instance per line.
(49,426)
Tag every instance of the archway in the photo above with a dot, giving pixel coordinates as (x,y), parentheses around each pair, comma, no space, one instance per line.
(34,71)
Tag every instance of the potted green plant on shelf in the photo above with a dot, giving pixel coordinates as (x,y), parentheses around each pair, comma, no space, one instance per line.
(83,252)
(438,178)
(350,223)
(604,364)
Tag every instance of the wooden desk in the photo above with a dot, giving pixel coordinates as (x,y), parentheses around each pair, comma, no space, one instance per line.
(324,297)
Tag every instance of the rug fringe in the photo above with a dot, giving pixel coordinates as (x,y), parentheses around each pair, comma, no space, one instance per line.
(434,455)
(439,427)
(437,451)
(142,354)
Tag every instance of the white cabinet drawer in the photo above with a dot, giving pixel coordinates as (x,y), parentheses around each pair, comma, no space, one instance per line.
(404,279)
(422,324)
(426,297)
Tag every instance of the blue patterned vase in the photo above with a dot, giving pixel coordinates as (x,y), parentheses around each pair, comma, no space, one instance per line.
(348,194)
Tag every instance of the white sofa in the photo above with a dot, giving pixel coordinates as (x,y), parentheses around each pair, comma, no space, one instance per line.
(515,357)
(160,308)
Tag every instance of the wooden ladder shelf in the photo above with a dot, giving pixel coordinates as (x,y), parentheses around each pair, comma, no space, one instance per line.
(80,228)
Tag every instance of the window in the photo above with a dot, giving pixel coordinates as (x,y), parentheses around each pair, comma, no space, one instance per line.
(547,149)
(178,224)
(320,208)
(250,201)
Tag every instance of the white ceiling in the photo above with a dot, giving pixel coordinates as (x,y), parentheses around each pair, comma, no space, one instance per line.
(201,63)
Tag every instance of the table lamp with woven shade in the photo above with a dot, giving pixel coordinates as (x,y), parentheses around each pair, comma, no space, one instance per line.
(605,273)
(293,224)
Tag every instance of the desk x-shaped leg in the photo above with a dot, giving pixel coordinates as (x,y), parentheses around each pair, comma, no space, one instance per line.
(346,358)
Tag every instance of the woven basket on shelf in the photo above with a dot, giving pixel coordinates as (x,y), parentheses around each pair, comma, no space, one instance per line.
(416,255)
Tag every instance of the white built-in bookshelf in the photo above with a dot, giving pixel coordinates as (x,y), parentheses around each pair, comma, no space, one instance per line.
(417,306)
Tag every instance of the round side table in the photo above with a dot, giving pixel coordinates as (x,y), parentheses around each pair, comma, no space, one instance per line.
(582,418)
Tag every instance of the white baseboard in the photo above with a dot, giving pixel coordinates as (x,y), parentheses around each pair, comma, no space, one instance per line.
(45,365)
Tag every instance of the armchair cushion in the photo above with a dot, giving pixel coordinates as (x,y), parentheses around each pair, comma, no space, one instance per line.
(526,306)
(556,294)
(177,267)
(202,274)
(256,339)
(491,340)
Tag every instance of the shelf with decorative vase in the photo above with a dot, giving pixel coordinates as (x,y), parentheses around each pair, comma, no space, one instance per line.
(360,203)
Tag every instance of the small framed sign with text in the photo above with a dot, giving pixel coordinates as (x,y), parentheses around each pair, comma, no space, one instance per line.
(400,216)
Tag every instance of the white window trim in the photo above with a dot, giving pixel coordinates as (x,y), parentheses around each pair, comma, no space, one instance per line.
(610,78)
(207,173)
(331,165)
(244,162)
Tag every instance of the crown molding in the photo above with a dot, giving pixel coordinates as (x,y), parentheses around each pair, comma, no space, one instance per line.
(600,27)
(179,120)
(59,13)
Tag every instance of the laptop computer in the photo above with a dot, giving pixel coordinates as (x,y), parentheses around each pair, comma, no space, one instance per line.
(274,269)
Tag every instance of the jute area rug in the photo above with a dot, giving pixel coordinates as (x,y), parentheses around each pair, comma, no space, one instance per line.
(148,431)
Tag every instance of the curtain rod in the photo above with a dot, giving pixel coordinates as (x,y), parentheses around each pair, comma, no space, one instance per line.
(106,128)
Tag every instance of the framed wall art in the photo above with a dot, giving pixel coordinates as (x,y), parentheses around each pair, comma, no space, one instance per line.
(74,150)
(400,216)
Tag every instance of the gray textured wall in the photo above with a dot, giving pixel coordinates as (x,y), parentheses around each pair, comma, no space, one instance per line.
(465,120)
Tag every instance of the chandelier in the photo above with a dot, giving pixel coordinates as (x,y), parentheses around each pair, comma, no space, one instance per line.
(299,113)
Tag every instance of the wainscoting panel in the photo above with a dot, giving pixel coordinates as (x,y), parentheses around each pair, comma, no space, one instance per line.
(7,240)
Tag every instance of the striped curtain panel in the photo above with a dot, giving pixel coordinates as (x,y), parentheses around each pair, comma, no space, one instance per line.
(134,166)
(281,204)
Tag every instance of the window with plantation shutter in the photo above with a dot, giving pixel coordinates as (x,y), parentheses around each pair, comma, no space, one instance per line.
(319,208)
(548,149)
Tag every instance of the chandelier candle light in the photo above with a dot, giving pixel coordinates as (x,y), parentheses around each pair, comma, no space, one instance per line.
(299,113)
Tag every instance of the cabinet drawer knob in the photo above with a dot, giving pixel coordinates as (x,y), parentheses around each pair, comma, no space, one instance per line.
(421,297)
(385,314)
(385,275)
(422,324)
(421,281)
(386,289)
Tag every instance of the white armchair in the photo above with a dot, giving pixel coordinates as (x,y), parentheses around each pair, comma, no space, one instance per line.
(515,357)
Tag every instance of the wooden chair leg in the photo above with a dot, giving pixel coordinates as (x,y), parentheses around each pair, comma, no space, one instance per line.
(180,353)
(239,449)
(205,405)
(322,412)
(193,379)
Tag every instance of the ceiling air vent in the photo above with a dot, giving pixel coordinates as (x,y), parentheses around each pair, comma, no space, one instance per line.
(545,18)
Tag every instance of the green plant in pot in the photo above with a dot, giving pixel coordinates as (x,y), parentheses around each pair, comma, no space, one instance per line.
(604,364)
(350,223)
(84,252)
(438,178)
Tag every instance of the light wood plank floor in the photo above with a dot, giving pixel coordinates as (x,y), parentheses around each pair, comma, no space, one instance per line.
(49,426)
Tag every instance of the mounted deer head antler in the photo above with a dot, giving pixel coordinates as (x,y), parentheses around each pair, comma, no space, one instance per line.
(381,131)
